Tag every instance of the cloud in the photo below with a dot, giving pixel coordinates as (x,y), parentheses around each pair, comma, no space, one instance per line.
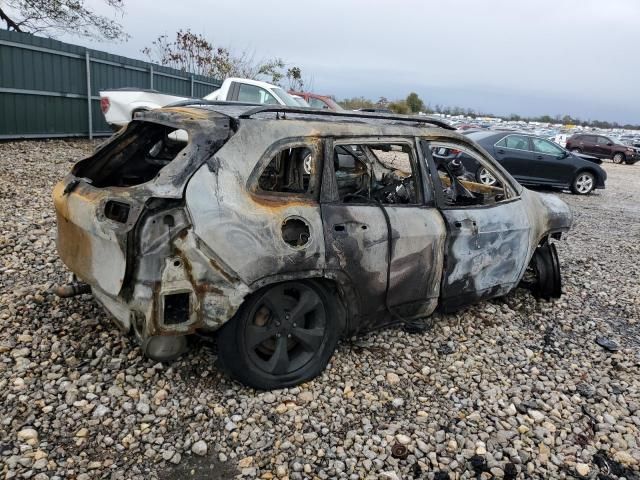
(570,54)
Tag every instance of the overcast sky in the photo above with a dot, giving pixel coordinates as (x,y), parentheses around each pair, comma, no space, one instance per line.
(577,57)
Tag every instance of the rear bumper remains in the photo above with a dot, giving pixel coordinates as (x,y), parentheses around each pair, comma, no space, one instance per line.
(148,272)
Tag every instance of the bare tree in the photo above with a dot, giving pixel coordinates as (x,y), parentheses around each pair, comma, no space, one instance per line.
(55,17)
(188,52)
(193,53)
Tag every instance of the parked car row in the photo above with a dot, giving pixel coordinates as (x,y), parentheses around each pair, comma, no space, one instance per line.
(119,106)
(532,160)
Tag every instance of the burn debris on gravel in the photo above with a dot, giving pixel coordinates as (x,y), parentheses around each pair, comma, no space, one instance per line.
(516,387)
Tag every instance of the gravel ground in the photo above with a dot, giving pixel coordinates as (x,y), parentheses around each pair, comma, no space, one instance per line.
(512,386)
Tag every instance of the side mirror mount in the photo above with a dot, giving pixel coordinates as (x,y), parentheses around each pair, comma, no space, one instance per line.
(609,144)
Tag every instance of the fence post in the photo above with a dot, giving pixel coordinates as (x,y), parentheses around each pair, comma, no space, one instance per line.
(87,59)
(151,77)
(192,85)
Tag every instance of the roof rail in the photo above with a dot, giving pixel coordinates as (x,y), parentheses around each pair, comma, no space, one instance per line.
(201,101)
(403,118)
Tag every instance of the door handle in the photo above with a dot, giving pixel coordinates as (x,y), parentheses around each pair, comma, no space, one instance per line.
(341,228)
(540,157)
(500,151)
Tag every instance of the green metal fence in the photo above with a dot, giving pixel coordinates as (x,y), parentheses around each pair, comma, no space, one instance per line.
(50,88)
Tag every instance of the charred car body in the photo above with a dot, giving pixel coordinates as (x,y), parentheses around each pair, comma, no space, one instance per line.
(282,230)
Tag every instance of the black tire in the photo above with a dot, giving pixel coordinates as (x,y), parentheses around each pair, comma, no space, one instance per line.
(583,183)
(265,347)
(619,158)
(545,272)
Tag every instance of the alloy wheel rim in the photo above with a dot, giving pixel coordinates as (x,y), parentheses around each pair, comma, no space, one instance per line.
(584,184)
(486,178)
(285,329)
(617,158)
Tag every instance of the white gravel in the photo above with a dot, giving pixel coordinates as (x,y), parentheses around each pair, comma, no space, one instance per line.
(520,387)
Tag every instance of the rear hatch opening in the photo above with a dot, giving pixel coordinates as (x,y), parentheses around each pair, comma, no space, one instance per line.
(136,157)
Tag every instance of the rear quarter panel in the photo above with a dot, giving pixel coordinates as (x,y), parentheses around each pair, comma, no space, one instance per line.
(243,229)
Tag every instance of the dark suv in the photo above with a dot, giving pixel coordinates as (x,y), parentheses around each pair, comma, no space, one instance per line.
(602,147)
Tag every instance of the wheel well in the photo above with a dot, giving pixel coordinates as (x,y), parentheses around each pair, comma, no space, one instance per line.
(624,156)
(333,287)
(548,236)
(588,170)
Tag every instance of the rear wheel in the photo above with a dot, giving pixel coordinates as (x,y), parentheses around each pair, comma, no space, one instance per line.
(282,336)
(619,158)
(484,176)
(584,183)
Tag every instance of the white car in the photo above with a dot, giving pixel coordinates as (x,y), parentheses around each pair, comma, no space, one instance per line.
(120,105)
(300,100)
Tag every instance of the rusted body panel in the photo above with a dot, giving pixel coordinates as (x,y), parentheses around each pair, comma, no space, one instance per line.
(199,237)
(84,240)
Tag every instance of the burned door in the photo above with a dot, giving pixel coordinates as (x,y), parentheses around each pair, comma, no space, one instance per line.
(487,242)
(372,193)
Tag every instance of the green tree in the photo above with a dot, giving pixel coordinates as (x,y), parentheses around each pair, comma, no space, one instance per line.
(399,106)
(55,17)
(414,103)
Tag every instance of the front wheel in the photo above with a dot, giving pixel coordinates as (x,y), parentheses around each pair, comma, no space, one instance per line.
(584,183)
(282,336)
(619,158)
(576,150)
(543,275)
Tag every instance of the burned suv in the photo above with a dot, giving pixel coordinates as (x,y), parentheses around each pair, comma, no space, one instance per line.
(204,219)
